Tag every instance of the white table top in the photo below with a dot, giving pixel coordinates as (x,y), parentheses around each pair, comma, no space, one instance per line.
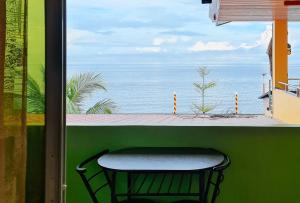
(161,159)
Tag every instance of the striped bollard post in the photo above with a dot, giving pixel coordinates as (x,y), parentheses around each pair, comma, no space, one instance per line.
(236,103)
(175,103)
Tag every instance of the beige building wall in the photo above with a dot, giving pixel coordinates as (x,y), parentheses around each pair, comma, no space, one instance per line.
(286,107)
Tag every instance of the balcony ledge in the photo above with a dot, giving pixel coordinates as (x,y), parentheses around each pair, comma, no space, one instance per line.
(170,120)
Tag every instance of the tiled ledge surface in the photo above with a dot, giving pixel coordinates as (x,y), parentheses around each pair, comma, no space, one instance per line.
(168,120)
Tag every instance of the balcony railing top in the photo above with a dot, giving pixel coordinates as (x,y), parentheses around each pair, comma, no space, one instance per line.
(292,88)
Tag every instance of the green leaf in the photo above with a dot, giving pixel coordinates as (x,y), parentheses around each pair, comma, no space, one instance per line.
(105,106)
(35,97)
(72,108)
(203,71)
(203,108)
(79,87)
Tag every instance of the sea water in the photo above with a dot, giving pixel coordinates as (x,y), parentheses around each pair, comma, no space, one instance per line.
(149,88)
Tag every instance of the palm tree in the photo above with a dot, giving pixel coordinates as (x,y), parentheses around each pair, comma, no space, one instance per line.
(78,88)
(81,86)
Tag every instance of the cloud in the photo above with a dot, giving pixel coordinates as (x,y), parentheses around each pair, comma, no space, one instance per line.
(181,33)
(170,40)
(149,49)
(107,32)
(133,14)
(113,4)
(265,36)
(240,23)
(294,33)
(80,36)
(159,41)
(247,24)
(212,46)
(263,40)
(249,46)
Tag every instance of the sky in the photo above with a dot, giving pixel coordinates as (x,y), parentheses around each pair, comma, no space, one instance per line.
(164,31)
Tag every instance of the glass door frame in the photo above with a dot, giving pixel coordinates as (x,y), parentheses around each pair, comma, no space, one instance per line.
(55,113)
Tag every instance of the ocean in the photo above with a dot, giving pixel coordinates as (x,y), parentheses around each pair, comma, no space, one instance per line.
(148,88)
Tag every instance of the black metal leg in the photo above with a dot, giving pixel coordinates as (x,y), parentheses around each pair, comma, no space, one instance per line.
(202,187)
(113,188)
(207,187)
(129,185)
(217,186)
(202,194)
(112,184)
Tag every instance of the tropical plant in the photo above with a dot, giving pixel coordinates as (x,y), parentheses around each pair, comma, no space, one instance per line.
(78,89)
(35,95)
(202,87)
(81,86)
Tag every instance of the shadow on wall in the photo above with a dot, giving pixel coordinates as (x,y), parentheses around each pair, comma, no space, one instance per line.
(35,164)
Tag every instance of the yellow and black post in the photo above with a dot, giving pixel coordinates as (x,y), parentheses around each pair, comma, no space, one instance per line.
(175,103)
(236,103)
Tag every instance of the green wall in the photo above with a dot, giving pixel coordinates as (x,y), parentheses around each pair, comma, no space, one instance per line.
(35,134)
(36,40)
(35,164)
(265,161)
